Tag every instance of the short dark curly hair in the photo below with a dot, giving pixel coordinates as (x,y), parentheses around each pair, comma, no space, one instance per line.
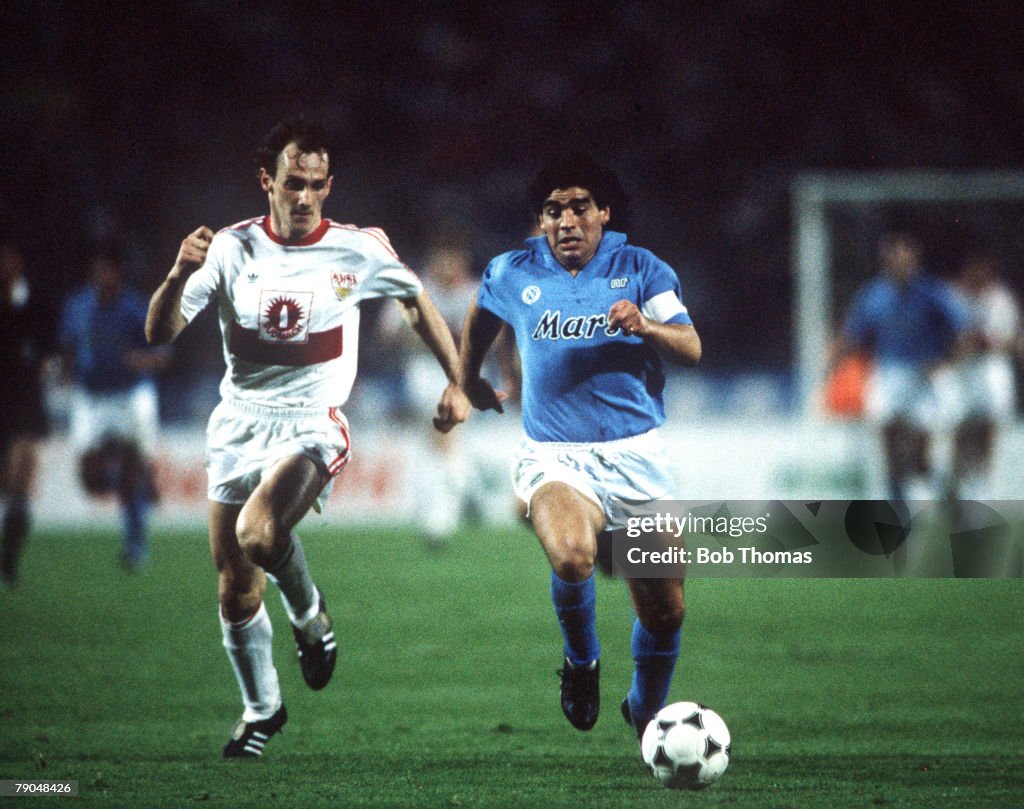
(310,136)
(581,170)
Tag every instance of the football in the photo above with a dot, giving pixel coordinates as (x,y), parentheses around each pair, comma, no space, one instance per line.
(686,746)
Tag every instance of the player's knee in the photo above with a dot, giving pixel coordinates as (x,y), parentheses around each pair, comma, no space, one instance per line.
(96,471)
(573,563)
(240,596)
(257,537)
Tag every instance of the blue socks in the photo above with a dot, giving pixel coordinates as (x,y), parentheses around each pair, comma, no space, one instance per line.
(134,512)
(655,657)
(576,608)
(655,660)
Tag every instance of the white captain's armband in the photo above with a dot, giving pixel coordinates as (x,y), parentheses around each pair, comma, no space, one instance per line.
(663,307)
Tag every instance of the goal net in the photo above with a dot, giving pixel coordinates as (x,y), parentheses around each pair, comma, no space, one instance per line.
(837,218)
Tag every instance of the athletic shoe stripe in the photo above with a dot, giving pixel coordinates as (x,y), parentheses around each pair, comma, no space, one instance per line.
(262,737)
(330,647)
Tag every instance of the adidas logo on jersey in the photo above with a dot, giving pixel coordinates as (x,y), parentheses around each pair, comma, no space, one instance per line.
(552,326)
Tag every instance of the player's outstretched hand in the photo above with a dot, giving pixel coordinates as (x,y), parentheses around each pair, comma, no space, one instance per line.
(192,252)
(628,317)
(483,396)
(453,409)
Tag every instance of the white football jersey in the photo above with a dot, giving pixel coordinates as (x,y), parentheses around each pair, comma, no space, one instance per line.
(289,313)
(996,315)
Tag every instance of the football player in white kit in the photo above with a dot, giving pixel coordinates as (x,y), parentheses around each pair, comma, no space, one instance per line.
(287,287)
(445,489)
(984,397)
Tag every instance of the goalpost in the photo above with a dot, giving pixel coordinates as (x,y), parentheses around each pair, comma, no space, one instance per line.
(836,218)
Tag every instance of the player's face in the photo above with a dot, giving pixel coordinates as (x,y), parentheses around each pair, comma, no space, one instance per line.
(573,225)
(12,265)
(899,258)
(449,266)
(297,191)
(976,275)
(106,278)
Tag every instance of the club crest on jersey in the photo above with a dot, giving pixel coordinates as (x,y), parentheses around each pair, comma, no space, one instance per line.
(284,316)
(343,283)
(531,294)
(552,326)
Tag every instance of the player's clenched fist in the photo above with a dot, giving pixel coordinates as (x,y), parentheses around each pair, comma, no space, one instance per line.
(628,317)
(453,409)
(193,251)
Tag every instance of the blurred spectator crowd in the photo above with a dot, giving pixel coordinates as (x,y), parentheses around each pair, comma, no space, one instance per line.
(136,127)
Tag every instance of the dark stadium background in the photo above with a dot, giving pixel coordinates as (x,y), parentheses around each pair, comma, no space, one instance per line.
(135,124)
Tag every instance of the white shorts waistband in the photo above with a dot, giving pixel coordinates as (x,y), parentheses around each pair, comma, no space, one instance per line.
(615,442)
(272,412)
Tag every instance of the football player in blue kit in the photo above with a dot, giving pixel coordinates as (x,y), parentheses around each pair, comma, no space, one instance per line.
(913,325)
(594,317)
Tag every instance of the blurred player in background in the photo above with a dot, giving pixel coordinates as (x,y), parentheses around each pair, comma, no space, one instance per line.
(444,488)
(287,287)
(114,418)
(447,489)
(593,319)
(985,388)
(26,341)
(911,325)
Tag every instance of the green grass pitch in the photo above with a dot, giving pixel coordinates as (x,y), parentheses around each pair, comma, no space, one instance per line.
(839,693)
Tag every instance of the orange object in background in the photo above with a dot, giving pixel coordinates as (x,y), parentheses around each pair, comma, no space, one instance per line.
(846,385)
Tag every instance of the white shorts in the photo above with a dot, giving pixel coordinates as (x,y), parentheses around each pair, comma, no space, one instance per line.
(613,474)
(903,391)
(243,441)
(986,387)
(132,414)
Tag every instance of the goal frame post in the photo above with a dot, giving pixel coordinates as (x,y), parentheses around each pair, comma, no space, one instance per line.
(811,194)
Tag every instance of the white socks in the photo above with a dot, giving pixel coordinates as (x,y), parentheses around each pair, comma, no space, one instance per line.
(248,645)
(291,575)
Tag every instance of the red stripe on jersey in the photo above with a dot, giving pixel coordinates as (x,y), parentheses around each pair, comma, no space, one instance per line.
(246,223)
(320,347)
(310,238)
(375,233)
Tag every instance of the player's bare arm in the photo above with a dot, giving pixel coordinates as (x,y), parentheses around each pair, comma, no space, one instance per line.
(164,320)
(427,322)
(676,342)
(478,333)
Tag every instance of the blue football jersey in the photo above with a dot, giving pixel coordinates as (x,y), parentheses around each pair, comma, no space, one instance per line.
(584,381)
(100,336)
(914,324)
